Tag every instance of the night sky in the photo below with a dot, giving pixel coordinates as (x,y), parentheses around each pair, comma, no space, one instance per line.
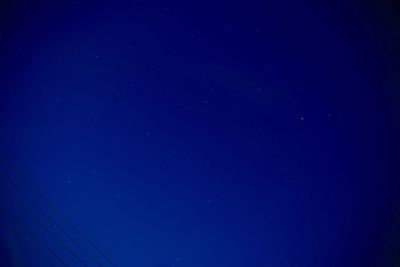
(200,133)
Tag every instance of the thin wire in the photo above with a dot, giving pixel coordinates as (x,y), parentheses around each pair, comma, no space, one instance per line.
(30,200)
(33,190)
(21,206)
(26,229)
(33,248)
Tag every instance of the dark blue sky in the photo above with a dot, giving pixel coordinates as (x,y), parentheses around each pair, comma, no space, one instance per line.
(212,133)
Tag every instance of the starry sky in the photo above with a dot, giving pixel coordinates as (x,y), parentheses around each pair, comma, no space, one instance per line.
(151,133)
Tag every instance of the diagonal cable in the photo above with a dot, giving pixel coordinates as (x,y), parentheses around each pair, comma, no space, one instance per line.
(56,210)
(33,248)
(34,236)
(52,221)
(61,242)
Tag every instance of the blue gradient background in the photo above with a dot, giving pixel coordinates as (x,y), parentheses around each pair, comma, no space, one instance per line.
(206,133)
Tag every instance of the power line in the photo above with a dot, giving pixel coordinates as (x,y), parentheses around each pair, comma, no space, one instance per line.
(21,206)
(30,200)
(52,221)
(56,210)
(34,236)
(33,248)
